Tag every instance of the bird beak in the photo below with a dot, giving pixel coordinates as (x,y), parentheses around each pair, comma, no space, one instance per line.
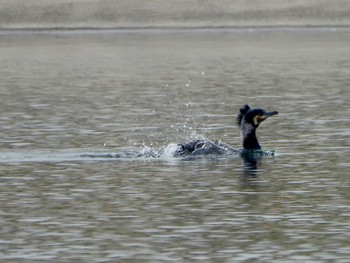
(260,118)
(269,114)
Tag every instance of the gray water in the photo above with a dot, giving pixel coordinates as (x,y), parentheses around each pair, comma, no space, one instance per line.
(71,93)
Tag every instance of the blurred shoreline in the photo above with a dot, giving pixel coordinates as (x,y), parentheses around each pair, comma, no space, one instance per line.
(135,14)
(169,30)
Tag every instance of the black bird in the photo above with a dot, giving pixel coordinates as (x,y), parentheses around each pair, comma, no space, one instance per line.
(248,120)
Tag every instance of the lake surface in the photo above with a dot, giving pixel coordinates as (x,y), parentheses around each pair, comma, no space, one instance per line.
(70,93)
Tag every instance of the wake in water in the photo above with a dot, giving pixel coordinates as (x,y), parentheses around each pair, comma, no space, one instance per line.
(175,151)
(248,120)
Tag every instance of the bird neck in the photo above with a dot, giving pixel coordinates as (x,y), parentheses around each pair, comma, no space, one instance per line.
(250,142)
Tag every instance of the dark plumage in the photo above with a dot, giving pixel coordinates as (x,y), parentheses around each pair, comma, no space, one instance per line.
(248,120)
(242,112)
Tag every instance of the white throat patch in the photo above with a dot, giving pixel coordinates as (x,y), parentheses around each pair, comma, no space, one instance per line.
(256,120)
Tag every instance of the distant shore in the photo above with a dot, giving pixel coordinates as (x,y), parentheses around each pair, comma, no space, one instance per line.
(169,30)
(129,14)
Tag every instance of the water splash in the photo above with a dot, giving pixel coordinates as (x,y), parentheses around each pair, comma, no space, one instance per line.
(145,153)
(171,150)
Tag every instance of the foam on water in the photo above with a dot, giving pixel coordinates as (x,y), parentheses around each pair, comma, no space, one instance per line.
(170,150)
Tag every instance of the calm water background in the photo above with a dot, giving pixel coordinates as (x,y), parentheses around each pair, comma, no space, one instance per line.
(71,93)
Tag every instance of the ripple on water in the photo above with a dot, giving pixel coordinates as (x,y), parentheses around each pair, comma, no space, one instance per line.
(121,91)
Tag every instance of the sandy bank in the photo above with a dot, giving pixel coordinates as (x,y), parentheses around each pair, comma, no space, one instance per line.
(175,13)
